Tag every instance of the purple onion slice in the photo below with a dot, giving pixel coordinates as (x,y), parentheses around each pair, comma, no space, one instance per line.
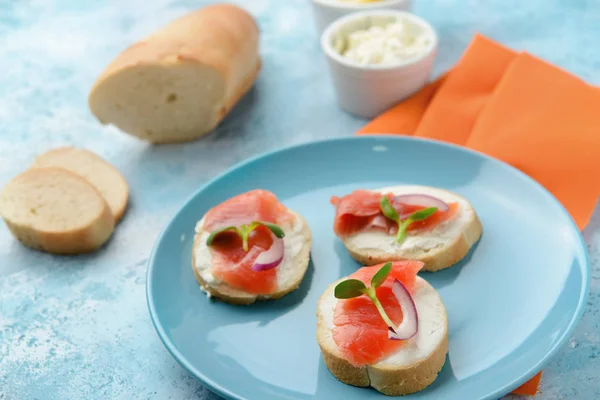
(424,200)
(410,319)
(271,258)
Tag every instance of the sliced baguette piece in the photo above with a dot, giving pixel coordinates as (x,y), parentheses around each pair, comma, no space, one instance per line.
(180,82)
(54,210)
(102,175)
(291,271)
(411,368)
(440,248)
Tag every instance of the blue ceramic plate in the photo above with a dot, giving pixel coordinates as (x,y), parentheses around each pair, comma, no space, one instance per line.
(511,303)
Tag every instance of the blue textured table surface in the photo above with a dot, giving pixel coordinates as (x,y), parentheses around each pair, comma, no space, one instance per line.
(74,328)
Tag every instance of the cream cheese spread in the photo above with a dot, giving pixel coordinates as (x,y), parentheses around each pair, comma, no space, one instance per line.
(388,44)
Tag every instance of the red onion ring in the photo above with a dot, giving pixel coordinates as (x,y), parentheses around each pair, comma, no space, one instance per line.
(424,200)
(271,258)
(410,319)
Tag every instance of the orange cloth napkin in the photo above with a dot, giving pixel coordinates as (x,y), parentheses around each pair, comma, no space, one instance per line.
(519,109)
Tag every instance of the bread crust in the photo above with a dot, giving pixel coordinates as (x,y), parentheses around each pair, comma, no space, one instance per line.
(222,37)
(444,257)
(434,259)
(389,380)
(71,158)
(226,293)
(79,240)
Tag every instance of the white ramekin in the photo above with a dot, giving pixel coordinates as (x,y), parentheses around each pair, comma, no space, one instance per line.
(368,90)
(327,11)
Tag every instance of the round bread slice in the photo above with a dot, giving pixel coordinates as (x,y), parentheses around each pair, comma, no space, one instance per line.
(290,272)
(54,210)
(440,248)
(411,368)
(103,176)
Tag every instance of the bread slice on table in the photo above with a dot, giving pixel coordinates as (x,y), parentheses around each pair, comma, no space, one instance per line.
(56,211)
(411,368)
(180,82)
(440,248)
(297,242)
(102,175)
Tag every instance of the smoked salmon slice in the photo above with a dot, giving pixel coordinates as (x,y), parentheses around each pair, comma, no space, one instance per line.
(360,332)
(255,205)
(230,263)
(360,211)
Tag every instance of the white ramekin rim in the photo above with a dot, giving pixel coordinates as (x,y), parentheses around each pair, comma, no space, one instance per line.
(335,25)
(359,6)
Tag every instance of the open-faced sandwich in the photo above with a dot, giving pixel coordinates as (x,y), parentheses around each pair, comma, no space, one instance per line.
(420,223)
(383,327)
(251,247)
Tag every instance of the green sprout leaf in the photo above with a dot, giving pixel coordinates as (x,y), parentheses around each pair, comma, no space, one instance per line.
(422,214)
(390,212)
(214,234)
(416,216)
(388,209)
(349,288)
(277,231)
(380,276)
(244,232)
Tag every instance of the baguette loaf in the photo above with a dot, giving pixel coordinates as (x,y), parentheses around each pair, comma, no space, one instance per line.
(54,210)
(103,176)
(179,83)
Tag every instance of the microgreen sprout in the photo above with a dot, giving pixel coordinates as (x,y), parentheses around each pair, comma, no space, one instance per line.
(244,232)
(390,213)
(351,288)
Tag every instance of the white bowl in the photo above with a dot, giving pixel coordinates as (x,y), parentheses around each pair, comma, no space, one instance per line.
(368,90)
(327,11)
